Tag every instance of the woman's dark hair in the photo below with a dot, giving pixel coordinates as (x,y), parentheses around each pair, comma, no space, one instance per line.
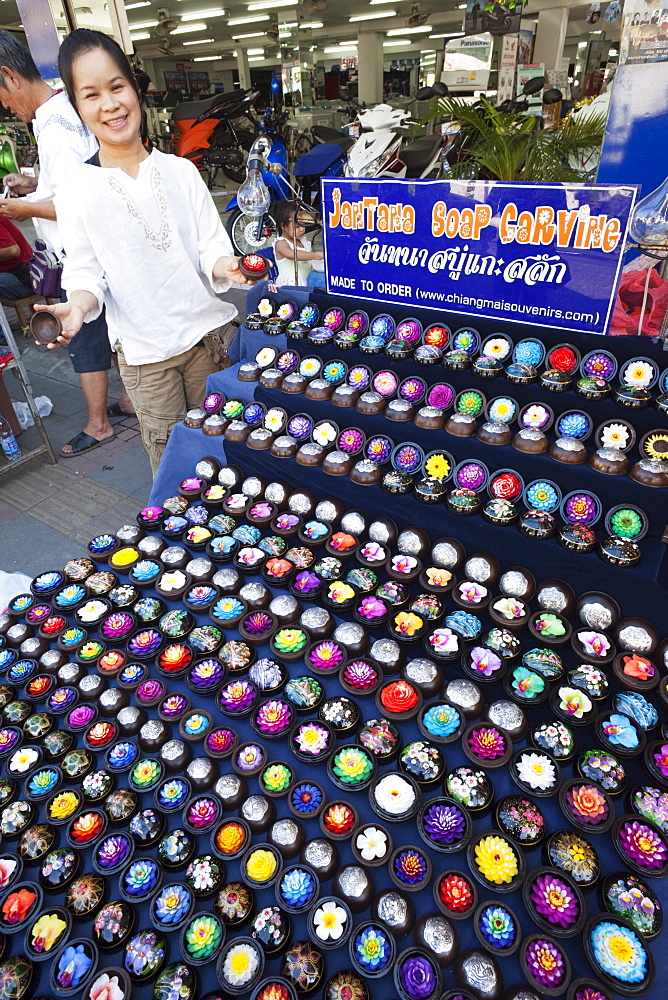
(284,212)
(85,40)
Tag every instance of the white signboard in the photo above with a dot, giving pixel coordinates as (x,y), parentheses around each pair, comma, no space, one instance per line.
(467,62)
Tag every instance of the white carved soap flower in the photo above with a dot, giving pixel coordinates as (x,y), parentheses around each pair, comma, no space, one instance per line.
(615,436)
(329,921)
(371,843)
(497,347)
(536,770)
(638,374)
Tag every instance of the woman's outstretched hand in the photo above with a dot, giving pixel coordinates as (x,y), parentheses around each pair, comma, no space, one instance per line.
(70,315)
(227,269)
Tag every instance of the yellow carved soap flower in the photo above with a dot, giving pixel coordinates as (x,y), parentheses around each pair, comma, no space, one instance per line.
(496,860)
(261,865)
(437,466)
(407,623)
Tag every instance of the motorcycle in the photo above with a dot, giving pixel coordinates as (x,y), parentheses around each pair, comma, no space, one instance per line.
(217,133)
(249,235)
(380,152)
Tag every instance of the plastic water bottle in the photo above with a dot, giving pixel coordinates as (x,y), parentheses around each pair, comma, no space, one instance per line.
(8,442)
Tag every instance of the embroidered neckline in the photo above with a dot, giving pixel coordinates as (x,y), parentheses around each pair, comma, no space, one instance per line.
(159,240)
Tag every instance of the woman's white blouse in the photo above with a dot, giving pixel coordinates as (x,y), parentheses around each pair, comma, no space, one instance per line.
(146,248)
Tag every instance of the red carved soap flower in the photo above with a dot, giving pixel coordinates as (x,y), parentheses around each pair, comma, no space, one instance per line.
(563,359)
(455,893)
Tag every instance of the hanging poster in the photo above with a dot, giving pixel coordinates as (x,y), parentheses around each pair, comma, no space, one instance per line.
(526,73)
(644,32)
(490,15)
(507,64)
(536,254)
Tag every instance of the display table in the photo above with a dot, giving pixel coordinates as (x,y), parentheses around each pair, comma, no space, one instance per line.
(257,543)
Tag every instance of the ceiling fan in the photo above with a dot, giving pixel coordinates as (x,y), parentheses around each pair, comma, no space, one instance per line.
(314,6)
(417,16)
(164,28)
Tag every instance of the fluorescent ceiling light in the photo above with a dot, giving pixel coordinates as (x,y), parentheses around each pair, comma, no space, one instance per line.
(248,20)
(340,48)
(311,24)
(255,52)
(409,31)
(207,58)
(461,6)
(140,37)
(142,3)
(271,4)
(250,34)
(613,52)
(187,29)
(375,16)
(214,12)
(397,41)
(256,59)
(448,34)
(198,41)
(142,25)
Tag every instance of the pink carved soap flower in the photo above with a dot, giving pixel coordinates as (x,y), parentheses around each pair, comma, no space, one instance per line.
(274,716)
(372,607)
(471,592)
(485,661)
(487,743)
(594,643)
(661,760)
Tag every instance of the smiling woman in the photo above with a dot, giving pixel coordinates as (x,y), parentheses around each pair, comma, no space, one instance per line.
(139,229)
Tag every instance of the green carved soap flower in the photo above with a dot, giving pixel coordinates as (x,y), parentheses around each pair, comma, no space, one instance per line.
(626,523)
(351,766)
(550,625)
(203,936)
(470,403)
(145,773)
(276,777)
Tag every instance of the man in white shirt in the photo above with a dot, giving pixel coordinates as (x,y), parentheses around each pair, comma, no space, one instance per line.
(63,142)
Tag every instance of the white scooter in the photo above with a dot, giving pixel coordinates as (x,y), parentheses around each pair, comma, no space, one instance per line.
(378,152)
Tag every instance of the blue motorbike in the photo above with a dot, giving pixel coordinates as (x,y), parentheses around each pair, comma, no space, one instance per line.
(248,235)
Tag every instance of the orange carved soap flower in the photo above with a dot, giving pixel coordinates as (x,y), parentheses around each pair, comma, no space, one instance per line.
(589,802)
(17,906)
(638,666)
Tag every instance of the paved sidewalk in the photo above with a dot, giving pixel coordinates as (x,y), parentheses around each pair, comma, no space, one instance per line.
(48,513)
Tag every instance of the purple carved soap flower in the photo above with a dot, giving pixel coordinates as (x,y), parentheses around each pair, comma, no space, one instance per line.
(418,977)
(444,824)
(274,716)
(306,582)
(545,963)
(555,901)
(113,851)
(487,743)
(237,696)
(410,867)
(372,607)
(643,845)
(258,623)
(484,661)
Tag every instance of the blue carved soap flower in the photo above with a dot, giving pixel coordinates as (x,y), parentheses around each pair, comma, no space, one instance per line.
(441,720)
(122,754)
(42,782)
(306,798)
(573,425)
(297,887)
(173,793)
(73,965)
(497,927)
(141,877)
(172,904)
(372,949)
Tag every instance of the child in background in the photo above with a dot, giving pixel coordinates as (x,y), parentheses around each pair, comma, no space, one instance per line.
(291,234)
